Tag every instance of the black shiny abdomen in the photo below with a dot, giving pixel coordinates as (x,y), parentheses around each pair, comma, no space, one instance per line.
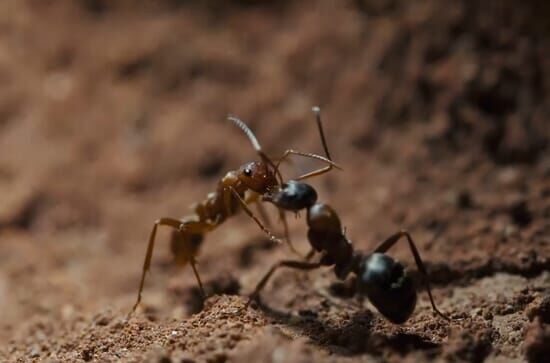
(388,287)
(293,196)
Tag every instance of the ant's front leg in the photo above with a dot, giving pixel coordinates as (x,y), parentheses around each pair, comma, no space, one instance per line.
(253,197)
(247,210)
(393,239)
(282,217)
(317,111)
(331,164)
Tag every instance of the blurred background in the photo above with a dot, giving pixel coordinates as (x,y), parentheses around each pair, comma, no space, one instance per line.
(112,114)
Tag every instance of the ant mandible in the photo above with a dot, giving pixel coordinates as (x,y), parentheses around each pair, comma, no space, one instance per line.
(235,191)
(382,279)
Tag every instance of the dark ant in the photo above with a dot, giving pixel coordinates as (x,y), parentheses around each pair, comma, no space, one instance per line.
(235,191)
(381,278)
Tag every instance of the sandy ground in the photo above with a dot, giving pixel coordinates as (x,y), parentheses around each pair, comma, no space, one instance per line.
(112,116)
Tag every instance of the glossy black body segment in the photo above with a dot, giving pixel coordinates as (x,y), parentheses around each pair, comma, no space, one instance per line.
(388,286)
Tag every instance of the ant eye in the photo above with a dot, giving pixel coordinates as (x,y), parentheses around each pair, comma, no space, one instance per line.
(247,172)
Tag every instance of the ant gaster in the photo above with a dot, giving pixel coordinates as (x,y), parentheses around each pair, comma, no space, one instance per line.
(382,279)
(235,191)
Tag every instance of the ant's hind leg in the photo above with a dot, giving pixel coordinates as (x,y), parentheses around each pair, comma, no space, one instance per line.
(300,265)
(393,239)
(150,246)
(195,228)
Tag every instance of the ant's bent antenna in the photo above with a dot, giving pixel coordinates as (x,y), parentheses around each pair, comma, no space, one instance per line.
(247,131)
(255,144)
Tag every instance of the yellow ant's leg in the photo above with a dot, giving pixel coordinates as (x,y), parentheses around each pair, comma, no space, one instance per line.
(253,197)
(186,229)
(251,215)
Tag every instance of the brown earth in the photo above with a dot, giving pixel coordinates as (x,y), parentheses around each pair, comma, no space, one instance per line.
(113,115)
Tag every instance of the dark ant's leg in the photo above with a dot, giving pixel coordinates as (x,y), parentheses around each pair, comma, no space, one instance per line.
(388,243)
(331,164)
(194,227)
(317,111)
(268,160)
(300,265)
(251,215)
(282,216)
(315,173)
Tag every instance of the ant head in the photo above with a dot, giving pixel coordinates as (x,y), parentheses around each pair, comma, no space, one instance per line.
(388,286)
(292,196)
(257,176)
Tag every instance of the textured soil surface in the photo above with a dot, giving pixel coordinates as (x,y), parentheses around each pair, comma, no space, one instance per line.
(112,116)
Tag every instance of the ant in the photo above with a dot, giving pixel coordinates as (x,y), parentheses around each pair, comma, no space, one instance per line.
(381,278)
(235,191)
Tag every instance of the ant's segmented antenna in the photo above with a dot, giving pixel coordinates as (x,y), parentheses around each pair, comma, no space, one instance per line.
(247,131)
(317,111)
(255,144)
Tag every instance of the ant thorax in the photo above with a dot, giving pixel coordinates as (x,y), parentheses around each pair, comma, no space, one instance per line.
(292,196)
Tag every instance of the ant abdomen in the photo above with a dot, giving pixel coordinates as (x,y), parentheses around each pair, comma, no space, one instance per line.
(293,196)
(388,286)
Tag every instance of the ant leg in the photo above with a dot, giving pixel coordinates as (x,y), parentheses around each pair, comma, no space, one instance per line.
(317,111)
(300,265)
(263,213)
(193,263)
(315,173)
(390,241)
(261,210)
(150,246)
(170,222)
(331,164)
(282,216)
(251,215)
(253,197)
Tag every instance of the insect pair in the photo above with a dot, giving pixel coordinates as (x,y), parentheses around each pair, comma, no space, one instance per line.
(383,280)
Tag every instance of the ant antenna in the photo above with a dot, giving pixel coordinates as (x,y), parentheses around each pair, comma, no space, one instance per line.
(247,131)
(255,144)
(317,111)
